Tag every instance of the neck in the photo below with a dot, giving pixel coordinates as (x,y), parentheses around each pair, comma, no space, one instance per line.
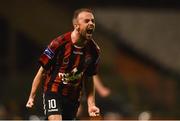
(77,39)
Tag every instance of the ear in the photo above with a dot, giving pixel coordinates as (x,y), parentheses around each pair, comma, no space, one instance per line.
(76,26)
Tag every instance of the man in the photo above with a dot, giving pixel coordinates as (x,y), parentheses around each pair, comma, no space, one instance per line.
(68,63)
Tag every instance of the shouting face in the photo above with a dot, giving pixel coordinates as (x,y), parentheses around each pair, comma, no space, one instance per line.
(85,25)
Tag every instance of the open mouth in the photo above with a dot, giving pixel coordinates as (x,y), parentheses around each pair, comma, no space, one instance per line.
(90,31)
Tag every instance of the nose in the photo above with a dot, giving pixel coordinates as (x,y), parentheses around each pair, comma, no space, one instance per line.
(91,23)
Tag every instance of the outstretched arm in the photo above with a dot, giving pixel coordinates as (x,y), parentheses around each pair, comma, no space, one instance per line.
(90,93)
(35,86)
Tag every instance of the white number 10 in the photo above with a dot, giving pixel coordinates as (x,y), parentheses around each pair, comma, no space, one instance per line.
(52,103)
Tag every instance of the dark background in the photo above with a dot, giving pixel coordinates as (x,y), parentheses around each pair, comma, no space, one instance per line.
(140,60)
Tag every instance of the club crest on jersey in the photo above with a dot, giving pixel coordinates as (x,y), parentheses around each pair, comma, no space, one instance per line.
(88,59)
(65,60)
(49,53)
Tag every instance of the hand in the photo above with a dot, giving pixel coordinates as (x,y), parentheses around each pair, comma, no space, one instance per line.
(93,111)
(30,103)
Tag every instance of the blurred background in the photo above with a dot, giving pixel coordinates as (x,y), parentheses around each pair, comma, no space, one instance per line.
(140,54)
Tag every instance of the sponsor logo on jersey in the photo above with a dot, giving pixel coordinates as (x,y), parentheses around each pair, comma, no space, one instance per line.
(49,53)
(69,77)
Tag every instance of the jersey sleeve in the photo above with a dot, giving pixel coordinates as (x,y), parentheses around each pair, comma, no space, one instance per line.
(48,56)
(93,67)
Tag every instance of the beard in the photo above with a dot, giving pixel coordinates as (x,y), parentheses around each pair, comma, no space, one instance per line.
(89,36)
(87,33)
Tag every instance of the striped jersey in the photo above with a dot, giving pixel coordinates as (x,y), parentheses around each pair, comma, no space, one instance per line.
(67,65)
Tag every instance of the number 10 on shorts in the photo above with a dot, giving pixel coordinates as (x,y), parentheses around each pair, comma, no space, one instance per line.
(52,103)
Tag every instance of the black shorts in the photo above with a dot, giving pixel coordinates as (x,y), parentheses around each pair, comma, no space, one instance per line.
(61,105)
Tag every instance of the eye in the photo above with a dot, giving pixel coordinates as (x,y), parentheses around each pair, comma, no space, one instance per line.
(86,20)
(93,21)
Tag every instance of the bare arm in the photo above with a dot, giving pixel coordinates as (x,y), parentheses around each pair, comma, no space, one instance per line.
(35,86)
(101,89)
(90,93)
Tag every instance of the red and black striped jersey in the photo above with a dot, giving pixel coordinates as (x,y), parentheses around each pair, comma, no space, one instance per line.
(67,64)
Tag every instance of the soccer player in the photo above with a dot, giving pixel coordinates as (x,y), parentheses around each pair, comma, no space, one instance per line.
(68,63)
